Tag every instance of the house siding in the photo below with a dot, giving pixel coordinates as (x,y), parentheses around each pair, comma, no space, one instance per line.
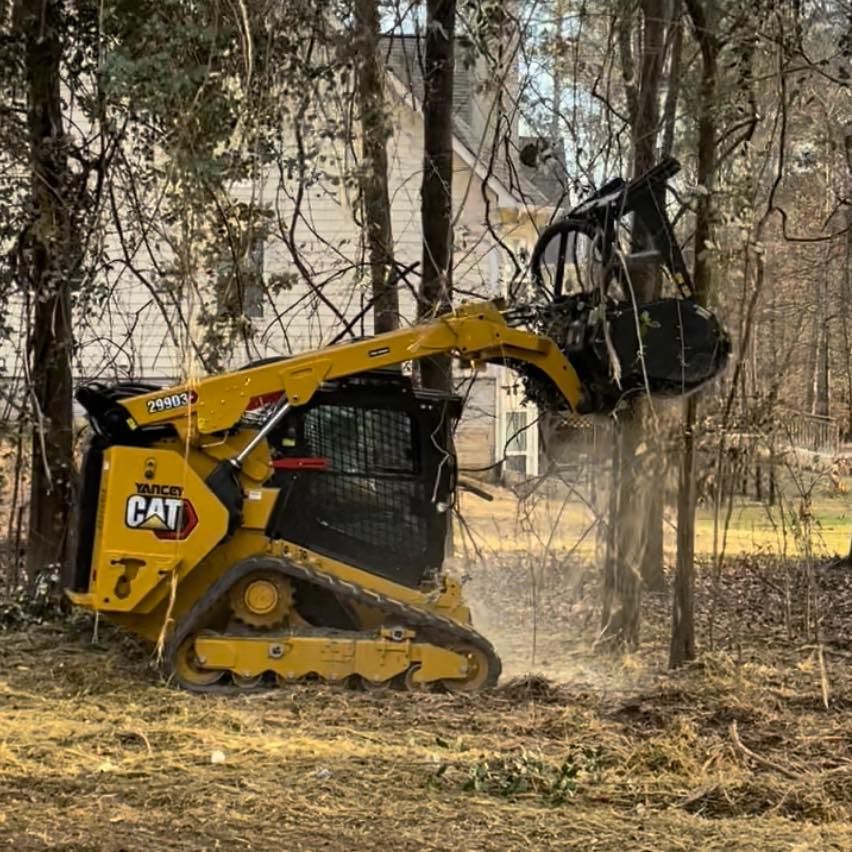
(131,328)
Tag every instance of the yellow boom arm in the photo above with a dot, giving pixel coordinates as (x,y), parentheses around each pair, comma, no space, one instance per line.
(476,333)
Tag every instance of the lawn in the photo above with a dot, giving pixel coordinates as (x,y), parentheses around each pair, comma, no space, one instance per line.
(539,524)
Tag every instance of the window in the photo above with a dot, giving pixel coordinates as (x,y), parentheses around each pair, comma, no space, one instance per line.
(517,435)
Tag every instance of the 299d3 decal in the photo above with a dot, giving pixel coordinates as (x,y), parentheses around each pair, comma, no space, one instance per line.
(162,509)
(171,401)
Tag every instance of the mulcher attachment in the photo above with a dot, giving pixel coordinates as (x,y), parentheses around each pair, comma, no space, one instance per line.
(585,300)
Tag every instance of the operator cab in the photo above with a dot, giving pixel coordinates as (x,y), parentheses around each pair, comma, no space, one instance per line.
(366,473)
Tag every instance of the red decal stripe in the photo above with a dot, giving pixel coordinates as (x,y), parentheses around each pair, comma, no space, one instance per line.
(300,464)
(263,399)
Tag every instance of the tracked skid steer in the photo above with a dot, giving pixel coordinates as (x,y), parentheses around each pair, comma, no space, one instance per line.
(287,521)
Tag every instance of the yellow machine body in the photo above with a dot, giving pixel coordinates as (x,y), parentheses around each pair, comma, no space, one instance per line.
(163,538)
(288,519)
(209,527)
(156,520)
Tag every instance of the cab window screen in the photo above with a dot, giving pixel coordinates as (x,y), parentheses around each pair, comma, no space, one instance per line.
(361,440)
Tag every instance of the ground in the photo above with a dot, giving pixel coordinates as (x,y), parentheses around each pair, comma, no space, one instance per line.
(750,748)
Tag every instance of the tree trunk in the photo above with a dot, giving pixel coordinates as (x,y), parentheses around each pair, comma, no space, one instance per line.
(813,359)
(653,575)
(822,403)
(820,388)
(682,648)
(622,579)
(436,191)
(637,556)
(48,258)
(647,285)
(673,87)
(652,564)
(848,281)
(772,478)
(375,131)
(846,312)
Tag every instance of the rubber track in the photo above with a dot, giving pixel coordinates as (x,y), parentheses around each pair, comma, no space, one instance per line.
(431,628)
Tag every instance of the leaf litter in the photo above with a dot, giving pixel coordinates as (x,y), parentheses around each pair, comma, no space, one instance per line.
(737,751)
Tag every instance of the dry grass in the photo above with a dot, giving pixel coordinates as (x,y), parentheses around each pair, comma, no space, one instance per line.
(564,524)
(97,753)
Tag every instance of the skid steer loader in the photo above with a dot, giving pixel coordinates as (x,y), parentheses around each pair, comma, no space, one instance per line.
(287,520)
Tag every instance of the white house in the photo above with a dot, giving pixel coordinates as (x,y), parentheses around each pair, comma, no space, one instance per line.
(133,333)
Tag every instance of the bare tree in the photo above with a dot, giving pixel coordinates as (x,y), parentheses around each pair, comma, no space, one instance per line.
(846,303)
(682,646)
(375,130)
(436,286)
(638,504)
(46,260)
(847,141)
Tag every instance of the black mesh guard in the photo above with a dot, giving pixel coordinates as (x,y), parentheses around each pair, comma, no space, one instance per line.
(370,496)
(381,500)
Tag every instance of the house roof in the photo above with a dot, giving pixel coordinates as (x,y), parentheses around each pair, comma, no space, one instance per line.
(489,160)
(547,168)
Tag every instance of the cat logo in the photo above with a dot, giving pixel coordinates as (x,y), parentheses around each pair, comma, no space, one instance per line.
(161,509)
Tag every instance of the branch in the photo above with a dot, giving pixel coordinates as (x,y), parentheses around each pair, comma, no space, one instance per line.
(763,761)
(628,66)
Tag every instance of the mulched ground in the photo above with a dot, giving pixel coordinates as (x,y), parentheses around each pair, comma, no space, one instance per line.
(749,748)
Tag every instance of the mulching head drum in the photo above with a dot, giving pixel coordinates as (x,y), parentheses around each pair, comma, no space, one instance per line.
(671,348)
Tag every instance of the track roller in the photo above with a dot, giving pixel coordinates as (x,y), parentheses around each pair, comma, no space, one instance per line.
(479,676)
(189,670)
(264,637)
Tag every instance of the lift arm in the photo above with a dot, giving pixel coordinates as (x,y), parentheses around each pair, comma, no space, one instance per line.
(476,333)
(667,347)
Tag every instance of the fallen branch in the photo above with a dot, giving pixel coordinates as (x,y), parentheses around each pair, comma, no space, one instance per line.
(763,761)
(836,652)
(696,795)
(823,677)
